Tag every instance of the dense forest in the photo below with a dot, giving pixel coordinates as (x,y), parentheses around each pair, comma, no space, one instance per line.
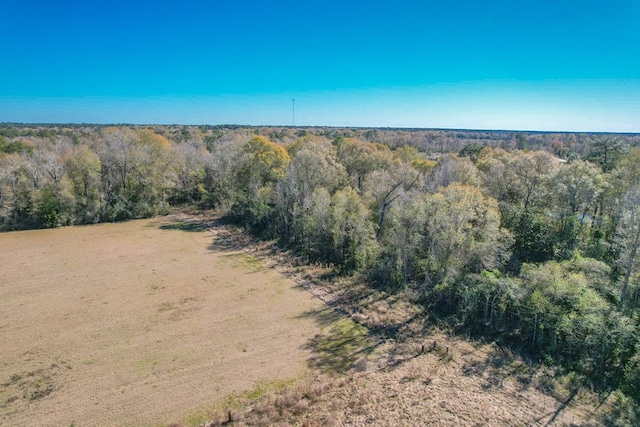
(528,238)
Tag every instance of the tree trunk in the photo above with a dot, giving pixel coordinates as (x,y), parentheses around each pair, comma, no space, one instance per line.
(627,275)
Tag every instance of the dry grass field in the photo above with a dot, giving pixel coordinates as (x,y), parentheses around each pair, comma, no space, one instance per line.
(140,323)
(458,388)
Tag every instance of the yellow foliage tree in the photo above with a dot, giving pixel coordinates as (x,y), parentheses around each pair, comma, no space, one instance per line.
(264,161)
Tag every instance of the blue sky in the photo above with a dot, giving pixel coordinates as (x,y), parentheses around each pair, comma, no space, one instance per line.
(523,65)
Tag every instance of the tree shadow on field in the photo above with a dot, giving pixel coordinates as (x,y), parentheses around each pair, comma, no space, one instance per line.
(222,245)
(341,344)
(189,226)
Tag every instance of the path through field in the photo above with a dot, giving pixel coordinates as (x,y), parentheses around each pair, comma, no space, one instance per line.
(139,323)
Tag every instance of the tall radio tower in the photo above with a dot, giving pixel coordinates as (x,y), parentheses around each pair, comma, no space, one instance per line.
(293,112)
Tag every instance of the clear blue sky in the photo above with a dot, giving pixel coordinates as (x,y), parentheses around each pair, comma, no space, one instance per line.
(525,65)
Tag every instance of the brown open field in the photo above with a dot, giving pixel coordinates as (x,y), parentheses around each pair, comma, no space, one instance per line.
(140,323)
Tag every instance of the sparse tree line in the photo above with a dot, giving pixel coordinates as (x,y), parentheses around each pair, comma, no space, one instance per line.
(518,245)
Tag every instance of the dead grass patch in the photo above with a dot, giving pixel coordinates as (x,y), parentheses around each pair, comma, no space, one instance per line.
(410,372)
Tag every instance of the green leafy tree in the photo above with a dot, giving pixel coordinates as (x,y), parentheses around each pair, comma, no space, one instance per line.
(471,151)
(532,173)
(83,169)
(361,158)
(628,238)
(354,244)
(577,187)
(262,164)
(463,233)
(496,175)
(313,165)
(574,323)
(219,187)
(606,151)
(9,147)
(188,173)
(451,169)
(134,168)
(153,161)
(532,233)
(398,261)
(487,299)
(315,226)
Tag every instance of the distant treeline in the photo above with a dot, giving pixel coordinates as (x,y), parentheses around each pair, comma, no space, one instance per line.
(527,238)
(561,144)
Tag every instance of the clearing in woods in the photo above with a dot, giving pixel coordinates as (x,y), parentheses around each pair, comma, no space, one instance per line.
(140,323)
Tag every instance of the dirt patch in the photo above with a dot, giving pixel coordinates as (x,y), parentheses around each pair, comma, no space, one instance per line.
(140,323)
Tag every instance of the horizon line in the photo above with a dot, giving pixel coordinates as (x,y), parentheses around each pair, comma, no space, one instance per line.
(404,128)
